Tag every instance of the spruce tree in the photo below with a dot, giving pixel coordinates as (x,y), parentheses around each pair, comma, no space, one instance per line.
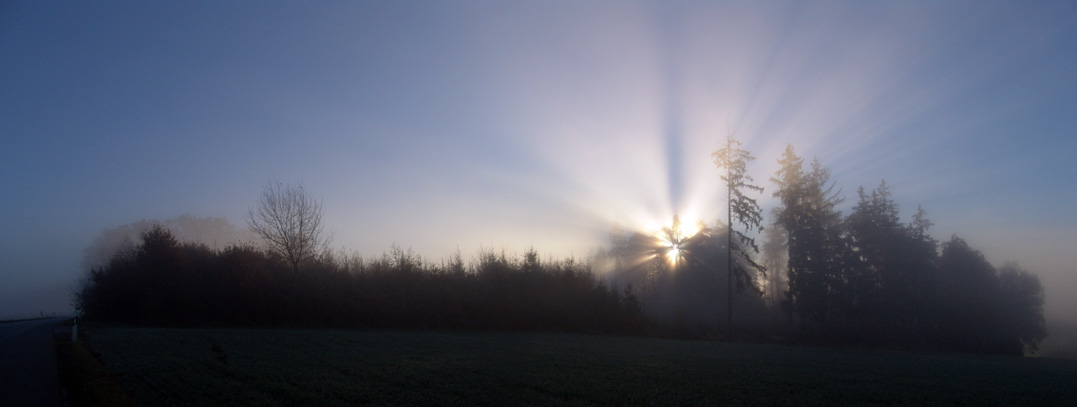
(809,214)
(746,212)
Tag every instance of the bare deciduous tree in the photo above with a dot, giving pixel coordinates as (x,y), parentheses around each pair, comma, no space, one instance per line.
(290,222)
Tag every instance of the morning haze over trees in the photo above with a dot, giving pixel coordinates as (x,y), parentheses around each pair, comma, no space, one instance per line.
(816,276)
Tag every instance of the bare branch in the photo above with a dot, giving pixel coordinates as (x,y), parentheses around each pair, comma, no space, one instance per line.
(290,222)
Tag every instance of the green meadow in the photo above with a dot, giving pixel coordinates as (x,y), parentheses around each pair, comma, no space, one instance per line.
(277,367)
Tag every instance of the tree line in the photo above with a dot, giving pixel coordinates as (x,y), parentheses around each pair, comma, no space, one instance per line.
(162,281)
(869,278)
(865,278)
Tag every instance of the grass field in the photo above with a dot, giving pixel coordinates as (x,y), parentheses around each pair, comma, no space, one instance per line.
(227,367)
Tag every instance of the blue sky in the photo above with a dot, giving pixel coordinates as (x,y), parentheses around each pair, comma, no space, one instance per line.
(445,125)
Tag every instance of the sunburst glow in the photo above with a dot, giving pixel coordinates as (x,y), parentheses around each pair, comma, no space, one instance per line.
(672,239)
(674,253)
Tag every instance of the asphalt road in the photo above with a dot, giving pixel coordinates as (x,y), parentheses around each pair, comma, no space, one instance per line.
(28,374)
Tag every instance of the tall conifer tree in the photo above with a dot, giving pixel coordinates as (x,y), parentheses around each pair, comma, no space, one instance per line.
(743,210)
(809,214)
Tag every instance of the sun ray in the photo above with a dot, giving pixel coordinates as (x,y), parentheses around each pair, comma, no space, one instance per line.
(671,240)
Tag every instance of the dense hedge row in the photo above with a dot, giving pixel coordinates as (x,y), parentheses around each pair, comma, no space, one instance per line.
(163,282)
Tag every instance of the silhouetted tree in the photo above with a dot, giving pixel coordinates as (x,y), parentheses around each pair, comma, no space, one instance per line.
(1021,297)
(215,233)
(679,295)
(290,222)
(889,272)
(743,210)
(969,306)
(775,259)
(139,284)
(163,282)
(816,252)
(867,278)
(922,263)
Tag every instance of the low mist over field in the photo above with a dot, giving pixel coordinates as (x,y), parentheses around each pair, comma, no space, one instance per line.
(477,127)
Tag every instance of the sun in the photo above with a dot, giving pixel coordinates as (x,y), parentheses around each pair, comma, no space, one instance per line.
(674,253)
(671,240)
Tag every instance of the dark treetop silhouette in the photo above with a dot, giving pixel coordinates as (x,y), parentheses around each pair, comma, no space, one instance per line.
(865,279)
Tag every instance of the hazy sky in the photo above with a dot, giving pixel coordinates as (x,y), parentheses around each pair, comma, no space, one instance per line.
(445,125)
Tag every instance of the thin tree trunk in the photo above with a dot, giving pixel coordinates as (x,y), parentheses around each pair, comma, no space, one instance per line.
(729,246)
